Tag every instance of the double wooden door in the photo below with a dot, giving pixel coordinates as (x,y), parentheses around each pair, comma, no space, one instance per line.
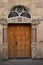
(19,40)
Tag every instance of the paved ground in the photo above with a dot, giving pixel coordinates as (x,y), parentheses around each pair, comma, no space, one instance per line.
(22,62)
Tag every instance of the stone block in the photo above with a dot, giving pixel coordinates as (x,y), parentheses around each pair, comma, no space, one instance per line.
(5,53)
(1,55)
(1,43)
(1,52)
(34,51)
(5,48)
(1,49)
(39,52)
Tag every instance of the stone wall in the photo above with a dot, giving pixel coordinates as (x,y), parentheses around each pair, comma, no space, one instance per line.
(1,41)
(36,9)
(40,40)
(35,6)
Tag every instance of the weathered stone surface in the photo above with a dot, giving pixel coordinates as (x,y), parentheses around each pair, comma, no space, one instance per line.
(40,50)
(5,53)
(1,51)
(36,6)
(34,50)
(36,9)
(1,41)
(40,32)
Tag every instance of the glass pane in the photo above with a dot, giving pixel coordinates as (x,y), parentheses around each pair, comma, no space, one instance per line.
(25,14)
(19,9)
(25,9)
(12,14)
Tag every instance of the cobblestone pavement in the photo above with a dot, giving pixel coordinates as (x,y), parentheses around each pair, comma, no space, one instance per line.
(22,62)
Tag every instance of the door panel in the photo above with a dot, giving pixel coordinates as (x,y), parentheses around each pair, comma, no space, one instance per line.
(11,43)
(19,41)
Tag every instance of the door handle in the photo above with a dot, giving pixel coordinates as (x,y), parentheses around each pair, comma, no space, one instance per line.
(16,43)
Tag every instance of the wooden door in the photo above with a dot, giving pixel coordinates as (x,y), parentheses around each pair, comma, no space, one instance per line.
(19,41)
(11,42)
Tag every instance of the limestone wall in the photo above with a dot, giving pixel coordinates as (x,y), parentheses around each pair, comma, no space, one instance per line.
(40,40)
(1,41)
(36,9)
(35,6)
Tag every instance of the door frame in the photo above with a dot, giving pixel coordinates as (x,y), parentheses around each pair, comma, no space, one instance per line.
(33,37)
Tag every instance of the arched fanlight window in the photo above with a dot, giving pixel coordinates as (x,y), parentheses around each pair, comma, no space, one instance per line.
(19,11)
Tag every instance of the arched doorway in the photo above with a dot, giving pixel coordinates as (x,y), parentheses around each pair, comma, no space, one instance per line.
(19,35)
